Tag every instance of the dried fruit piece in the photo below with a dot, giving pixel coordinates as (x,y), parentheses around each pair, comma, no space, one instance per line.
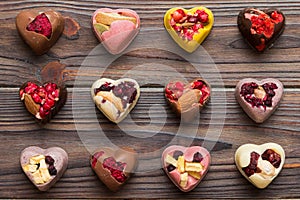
(271,156)
(261,28)
(41,24)
(189,28)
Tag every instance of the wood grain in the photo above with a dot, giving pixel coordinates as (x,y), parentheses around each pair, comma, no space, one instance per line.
(152,125)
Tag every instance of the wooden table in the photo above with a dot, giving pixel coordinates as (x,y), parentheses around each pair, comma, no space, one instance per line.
(228,125)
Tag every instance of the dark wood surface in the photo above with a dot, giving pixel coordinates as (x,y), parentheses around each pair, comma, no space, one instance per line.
(233,60)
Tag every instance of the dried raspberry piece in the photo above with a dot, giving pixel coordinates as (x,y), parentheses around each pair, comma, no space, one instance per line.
(271,156)
(252,167)
(41,24)
(115,168)
(95,157)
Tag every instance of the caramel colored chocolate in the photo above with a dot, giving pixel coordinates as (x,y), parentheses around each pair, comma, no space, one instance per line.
(60,162)
(39,43)
(258,40)
(188,104)
(127,156)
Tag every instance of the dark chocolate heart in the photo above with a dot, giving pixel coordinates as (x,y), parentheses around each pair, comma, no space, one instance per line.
(259,99)
(261,28)
(39,29)
(43,100)
(114,167)
(187,99)
(44,167)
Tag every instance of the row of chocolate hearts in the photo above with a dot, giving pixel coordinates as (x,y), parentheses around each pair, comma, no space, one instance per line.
(185,166)
(116,98)
(116,29)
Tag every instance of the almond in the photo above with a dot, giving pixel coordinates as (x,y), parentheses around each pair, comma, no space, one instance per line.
(31,106)
(109,96)
(188,99)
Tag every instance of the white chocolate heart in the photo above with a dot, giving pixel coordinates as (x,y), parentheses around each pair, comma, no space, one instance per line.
(112,105)
(268,171)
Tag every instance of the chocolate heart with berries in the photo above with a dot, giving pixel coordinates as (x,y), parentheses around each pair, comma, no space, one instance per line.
(260,164)
(187,99)
(115,98)
(40,29)
(44,167)
(185,166)
(261,28)
(114,167)
(259,99)
(43,100)
(115,29)
(189,28)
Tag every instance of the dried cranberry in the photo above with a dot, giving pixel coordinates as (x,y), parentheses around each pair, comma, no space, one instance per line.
(252,167)
(247,91)
(115,168)
(170,168)
(176,154)
(41,25)
(197,157)
(95,157)
(105,87)
(52,170)
(271,156)
(49,160)
(126,91)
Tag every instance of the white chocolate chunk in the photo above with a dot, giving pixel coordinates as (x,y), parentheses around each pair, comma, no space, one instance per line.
(45,175)
(30,168)
(267,169)
(37,178)
(183,180)
(193,167)
(181,164)
(36,159)
(170,160)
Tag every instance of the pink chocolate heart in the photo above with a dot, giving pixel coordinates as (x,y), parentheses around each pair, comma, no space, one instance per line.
(259,99)
(194,155)
(120,33)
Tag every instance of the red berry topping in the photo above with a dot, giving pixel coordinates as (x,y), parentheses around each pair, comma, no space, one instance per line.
(178,15)
(252,167)
(41,25)
(115,168)
(271,156)
(95,157)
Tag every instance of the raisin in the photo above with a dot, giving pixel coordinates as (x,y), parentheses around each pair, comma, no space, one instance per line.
(170,168)
(176,154)
(197,157)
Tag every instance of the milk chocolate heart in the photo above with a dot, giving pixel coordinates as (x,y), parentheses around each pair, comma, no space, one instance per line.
(44,167)
(114,167)
(115,28)
(259,99)
(260,164)
(40,29)
(115,98)
(187,99)
(261,28)
(185,166)
(189,28)
(43,100)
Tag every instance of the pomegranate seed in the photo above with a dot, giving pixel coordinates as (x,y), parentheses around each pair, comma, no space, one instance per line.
(31,87)
(95,157)
(115,168)
(36,98)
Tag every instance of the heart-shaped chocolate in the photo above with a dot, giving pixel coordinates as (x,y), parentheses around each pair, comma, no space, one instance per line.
(260,164)
(189,28)
(114,167)
(259,99)
(115,98)
(187,99)
(43,100)
(261,28)
(115,29)
(40,29)
(185,166)
(44,167)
